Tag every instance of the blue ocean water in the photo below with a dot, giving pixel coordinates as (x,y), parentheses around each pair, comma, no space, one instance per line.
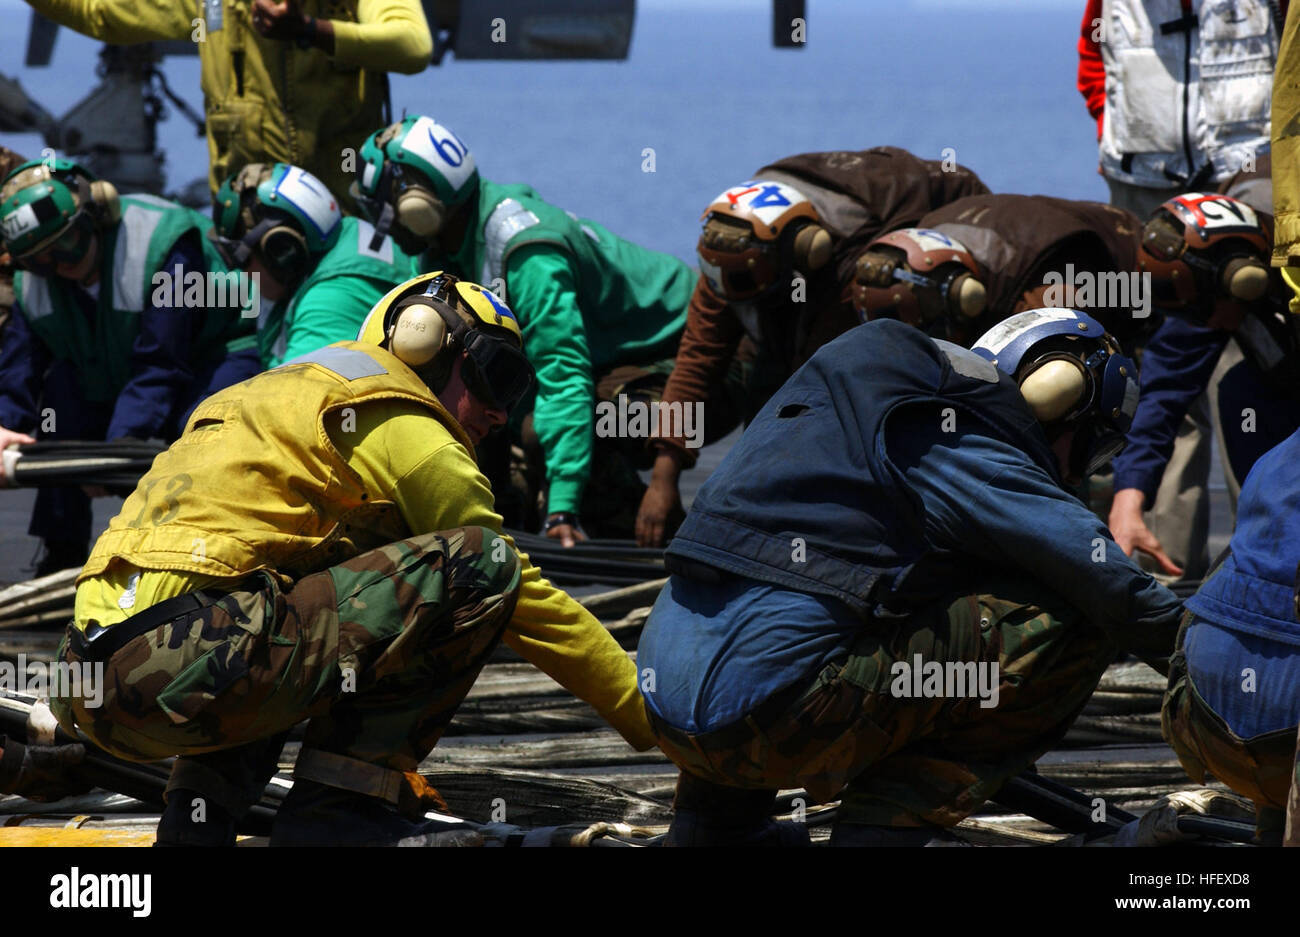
(704,89)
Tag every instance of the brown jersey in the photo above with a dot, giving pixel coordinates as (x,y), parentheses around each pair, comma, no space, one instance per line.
(858,195)
(1020,241)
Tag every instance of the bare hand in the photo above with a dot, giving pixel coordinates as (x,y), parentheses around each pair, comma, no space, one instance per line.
(660,506)
(8,438)
(282,20)
(1131,533)
(567,534)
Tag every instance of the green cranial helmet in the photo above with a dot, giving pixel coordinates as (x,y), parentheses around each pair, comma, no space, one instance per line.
(284,193)
(412,174)
(281,211)
(41,201)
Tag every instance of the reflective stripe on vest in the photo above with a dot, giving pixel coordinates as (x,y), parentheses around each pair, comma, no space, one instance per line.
(131,252)
(506,220)
(345,362)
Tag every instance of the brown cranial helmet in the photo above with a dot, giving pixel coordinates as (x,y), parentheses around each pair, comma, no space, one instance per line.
(757,232)
(1203,249)
(917,275)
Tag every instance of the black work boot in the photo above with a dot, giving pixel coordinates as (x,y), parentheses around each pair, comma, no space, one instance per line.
(190,819)
(209,794)
(316,815)
(707,814)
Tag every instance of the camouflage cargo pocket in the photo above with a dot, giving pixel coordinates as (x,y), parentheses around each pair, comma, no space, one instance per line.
(840,739)
(208,664)
(207,678)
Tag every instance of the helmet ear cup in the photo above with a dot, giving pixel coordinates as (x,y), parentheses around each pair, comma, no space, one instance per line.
(108,208)
(967,296)
(285,251)
(420,212)
(1245,279)
(417,335)
(812,247)
(1053,389)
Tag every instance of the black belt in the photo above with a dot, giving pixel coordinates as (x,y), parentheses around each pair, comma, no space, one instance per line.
(98,643)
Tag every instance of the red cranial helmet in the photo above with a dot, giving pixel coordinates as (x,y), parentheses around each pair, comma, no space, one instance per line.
(756,233)
(1202,248)
(917,275)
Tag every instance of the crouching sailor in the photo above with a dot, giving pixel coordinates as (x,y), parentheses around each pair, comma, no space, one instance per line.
(319,544)
(1231,709)
(927,524)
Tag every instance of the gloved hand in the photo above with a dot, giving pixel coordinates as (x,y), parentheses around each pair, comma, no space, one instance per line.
(41,772)
(278,20)
(8,438)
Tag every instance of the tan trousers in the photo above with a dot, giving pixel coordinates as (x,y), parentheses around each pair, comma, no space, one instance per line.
(1180,516)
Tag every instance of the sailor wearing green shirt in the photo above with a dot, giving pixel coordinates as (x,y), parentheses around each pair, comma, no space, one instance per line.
(600,316)
(123,320)
(319,273)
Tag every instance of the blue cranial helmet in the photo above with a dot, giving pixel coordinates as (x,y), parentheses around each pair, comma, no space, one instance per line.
(1072,375)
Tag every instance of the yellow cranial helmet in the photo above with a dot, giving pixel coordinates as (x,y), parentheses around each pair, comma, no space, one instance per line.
(424,320)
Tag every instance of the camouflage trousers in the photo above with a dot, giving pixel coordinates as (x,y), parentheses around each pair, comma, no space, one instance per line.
(377,652)
(1260,768)
(858,730)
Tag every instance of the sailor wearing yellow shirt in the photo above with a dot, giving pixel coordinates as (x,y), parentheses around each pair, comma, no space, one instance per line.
(320,544)
(294,81)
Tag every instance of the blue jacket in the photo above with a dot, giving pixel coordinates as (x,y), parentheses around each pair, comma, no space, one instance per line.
(161,362)
(1176,369)
(809,498)
(890,471)
(1253,589)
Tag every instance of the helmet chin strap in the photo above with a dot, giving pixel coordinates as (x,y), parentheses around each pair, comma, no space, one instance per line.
(383,225)
(383,197)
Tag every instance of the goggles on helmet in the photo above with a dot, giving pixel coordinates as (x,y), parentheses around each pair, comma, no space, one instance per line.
(1097,447)
(495,371)
(1105,412)
(68,248)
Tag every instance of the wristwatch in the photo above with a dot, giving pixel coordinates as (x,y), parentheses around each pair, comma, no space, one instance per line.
(307,38)
(561,517)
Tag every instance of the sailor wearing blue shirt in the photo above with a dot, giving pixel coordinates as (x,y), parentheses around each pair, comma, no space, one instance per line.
(886,592)
(1232,709)
(1227,336)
